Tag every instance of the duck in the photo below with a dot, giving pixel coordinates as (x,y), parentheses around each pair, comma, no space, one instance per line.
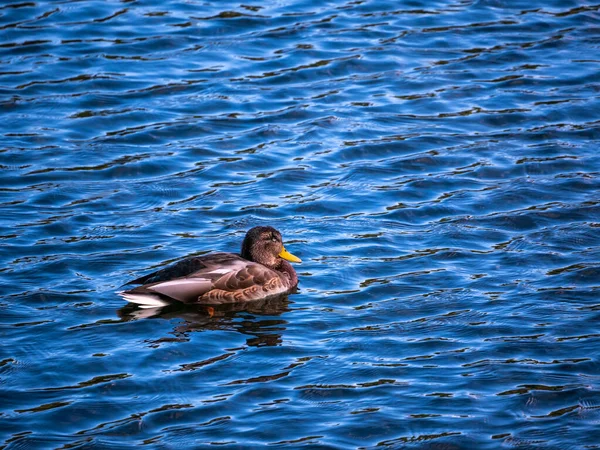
(261,270)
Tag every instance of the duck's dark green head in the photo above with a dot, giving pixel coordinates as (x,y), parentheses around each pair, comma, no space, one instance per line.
(265,246)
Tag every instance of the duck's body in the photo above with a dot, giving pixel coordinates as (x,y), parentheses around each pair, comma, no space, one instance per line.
(216,278)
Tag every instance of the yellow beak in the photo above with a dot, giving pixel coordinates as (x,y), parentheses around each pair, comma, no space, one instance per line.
(288,256)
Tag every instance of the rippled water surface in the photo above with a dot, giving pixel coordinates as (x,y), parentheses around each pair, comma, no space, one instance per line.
(435,165)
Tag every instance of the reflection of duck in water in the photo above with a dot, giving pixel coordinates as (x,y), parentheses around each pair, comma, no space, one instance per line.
(201,314)
(257,319)
(260,272)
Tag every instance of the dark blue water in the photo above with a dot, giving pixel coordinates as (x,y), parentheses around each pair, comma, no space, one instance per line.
(435,165)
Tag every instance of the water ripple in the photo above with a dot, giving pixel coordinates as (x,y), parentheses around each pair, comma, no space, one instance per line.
(433,164)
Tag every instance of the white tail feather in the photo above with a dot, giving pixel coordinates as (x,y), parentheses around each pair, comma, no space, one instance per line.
(144,300)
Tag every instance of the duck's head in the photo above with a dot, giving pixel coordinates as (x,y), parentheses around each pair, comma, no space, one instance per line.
(265,246)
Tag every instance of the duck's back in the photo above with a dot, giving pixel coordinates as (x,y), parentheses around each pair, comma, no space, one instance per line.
(204,265)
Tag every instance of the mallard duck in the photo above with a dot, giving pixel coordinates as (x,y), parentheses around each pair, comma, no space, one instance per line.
(261,270)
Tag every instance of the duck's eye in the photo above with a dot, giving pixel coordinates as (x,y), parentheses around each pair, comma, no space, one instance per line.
(274,239)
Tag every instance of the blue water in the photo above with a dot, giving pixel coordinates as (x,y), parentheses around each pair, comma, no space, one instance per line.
(435,165)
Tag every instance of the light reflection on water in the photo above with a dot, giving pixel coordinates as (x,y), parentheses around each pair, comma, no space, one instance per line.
(433,164)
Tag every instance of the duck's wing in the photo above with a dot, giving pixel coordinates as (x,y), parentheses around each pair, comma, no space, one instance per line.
(189,279)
